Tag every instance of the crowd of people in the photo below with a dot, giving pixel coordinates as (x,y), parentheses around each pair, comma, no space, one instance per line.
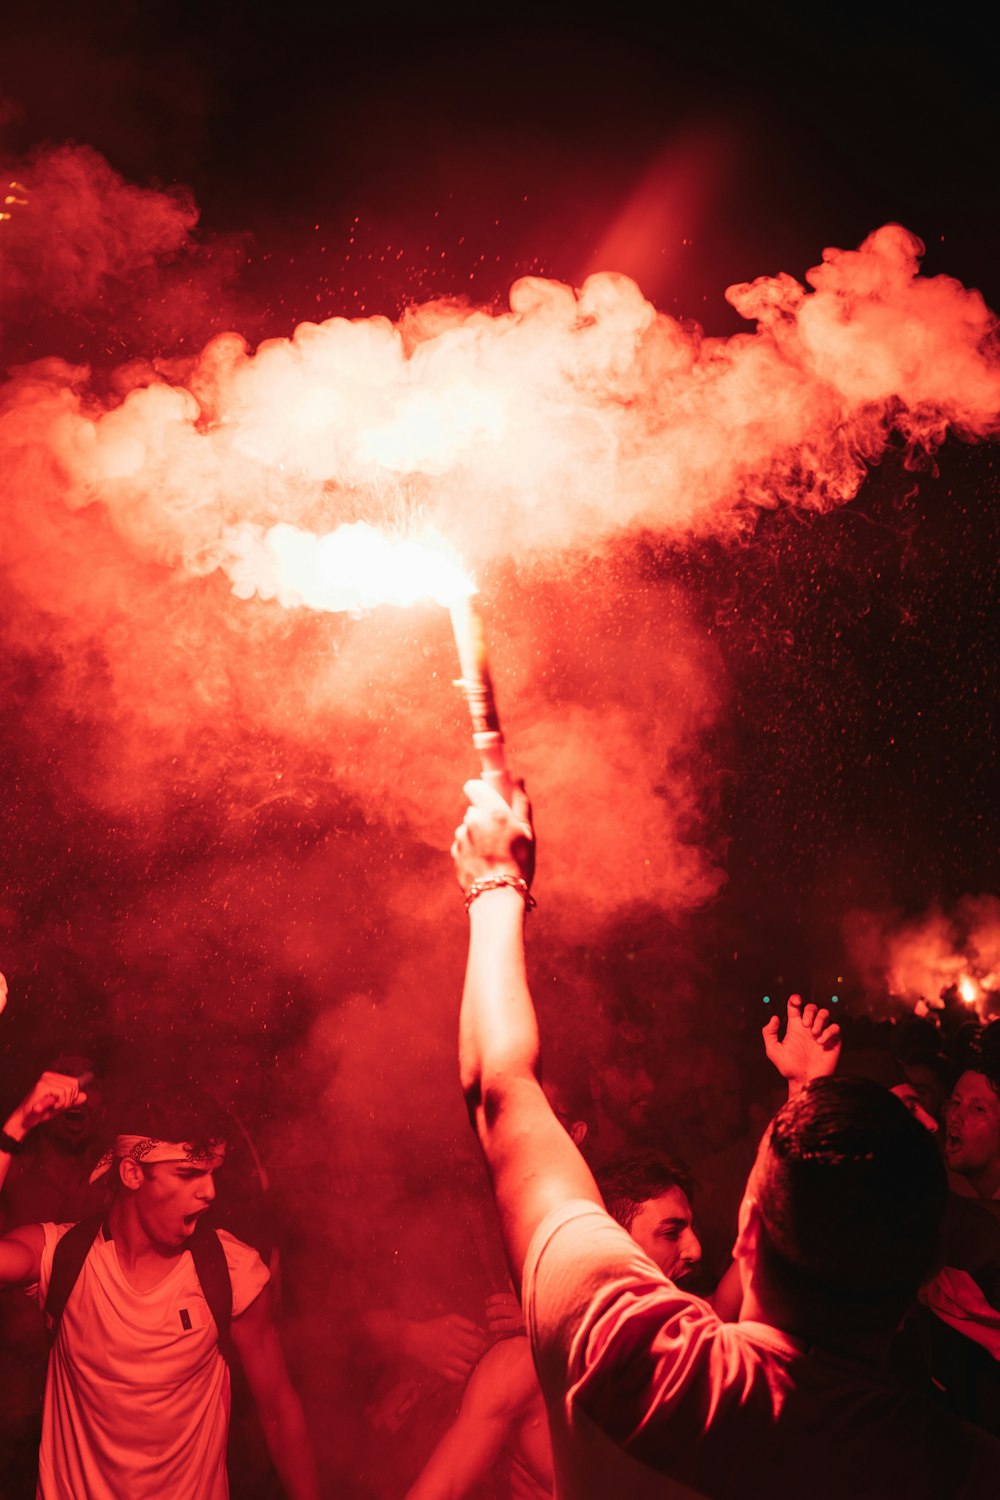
(802,1301)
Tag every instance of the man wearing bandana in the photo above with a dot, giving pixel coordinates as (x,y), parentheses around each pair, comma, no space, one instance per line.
(137,1397)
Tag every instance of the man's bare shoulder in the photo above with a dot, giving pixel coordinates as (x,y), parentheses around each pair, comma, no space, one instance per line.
(31,1235)
(21,1251)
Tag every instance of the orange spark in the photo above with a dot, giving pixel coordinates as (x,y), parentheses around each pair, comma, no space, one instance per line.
(12,199)
(969,990)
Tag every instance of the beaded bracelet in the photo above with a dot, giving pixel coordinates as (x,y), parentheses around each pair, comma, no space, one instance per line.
(493,882)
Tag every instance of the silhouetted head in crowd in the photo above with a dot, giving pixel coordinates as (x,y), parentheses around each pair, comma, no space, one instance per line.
(650,1196)
(881,1066)
(72,1131)
(932,1076)
(972,1119)
(622,1090)
(841,1223)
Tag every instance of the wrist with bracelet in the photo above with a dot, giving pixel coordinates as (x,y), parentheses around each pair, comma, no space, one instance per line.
(494,882)
(10,1143)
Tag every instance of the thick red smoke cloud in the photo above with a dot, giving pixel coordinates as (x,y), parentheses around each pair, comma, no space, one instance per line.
(531,438)
(81,234)
(540,440)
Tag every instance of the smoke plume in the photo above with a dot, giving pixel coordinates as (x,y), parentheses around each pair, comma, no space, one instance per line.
(922,960)
(530,438)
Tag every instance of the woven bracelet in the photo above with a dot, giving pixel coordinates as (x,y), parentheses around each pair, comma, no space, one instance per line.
(493,882)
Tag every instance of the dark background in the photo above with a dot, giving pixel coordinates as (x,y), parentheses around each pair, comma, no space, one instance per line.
(501,143)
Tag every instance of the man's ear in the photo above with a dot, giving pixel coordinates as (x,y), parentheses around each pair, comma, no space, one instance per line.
(578,1132)
(748,1233)
(131,1174)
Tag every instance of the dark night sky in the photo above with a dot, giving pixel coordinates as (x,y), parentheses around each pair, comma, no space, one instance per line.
(354,162)
(430,124)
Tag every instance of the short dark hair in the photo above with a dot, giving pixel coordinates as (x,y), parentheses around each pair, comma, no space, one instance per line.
(172,1113)
(630,1180)
(851,1192)
(942,1067)
(985,1058)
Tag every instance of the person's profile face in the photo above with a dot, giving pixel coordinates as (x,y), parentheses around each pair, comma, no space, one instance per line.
(664,1229)
(972,1124)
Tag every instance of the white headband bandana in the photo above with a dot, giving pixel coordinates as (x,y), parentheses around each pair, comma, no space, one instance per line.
(144,1148)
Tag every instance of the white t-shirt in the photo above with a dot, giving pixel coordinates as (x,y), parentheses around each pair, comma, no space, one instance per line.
(137,1394)
(648,1393)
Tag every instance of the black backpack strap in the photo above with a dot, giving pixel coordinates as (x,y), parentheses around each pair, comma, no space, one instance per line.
(216,1283)
(67,1263)
(209,1262)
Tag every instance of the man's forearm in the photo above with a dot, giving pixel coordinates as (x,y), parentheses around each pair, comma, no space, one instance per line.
(13,1127)
(498,1031)
(457,1467)
(534,1165)
(290,1449)
(5,1161)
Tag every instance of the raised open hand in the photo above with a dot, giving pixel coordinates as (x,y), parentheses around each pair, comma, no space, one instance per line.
(810,1047)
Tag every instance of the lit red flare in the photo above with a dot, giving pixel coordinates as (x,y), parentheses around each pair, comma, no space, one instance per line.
(357,567)
(970,990)
(354,568)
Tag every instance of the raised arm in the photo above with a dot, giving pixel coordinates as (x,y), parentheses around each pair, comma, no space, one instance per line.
(21,1250)
(534,1165)
(810,1047)
(53,1093)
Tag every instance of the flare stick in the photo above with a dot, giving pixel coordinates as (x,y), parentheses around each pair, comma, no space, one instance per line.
(477,685)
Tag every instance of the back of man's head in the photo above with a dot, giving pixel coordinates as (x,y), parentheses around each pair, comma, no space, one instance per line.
(851,1192)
